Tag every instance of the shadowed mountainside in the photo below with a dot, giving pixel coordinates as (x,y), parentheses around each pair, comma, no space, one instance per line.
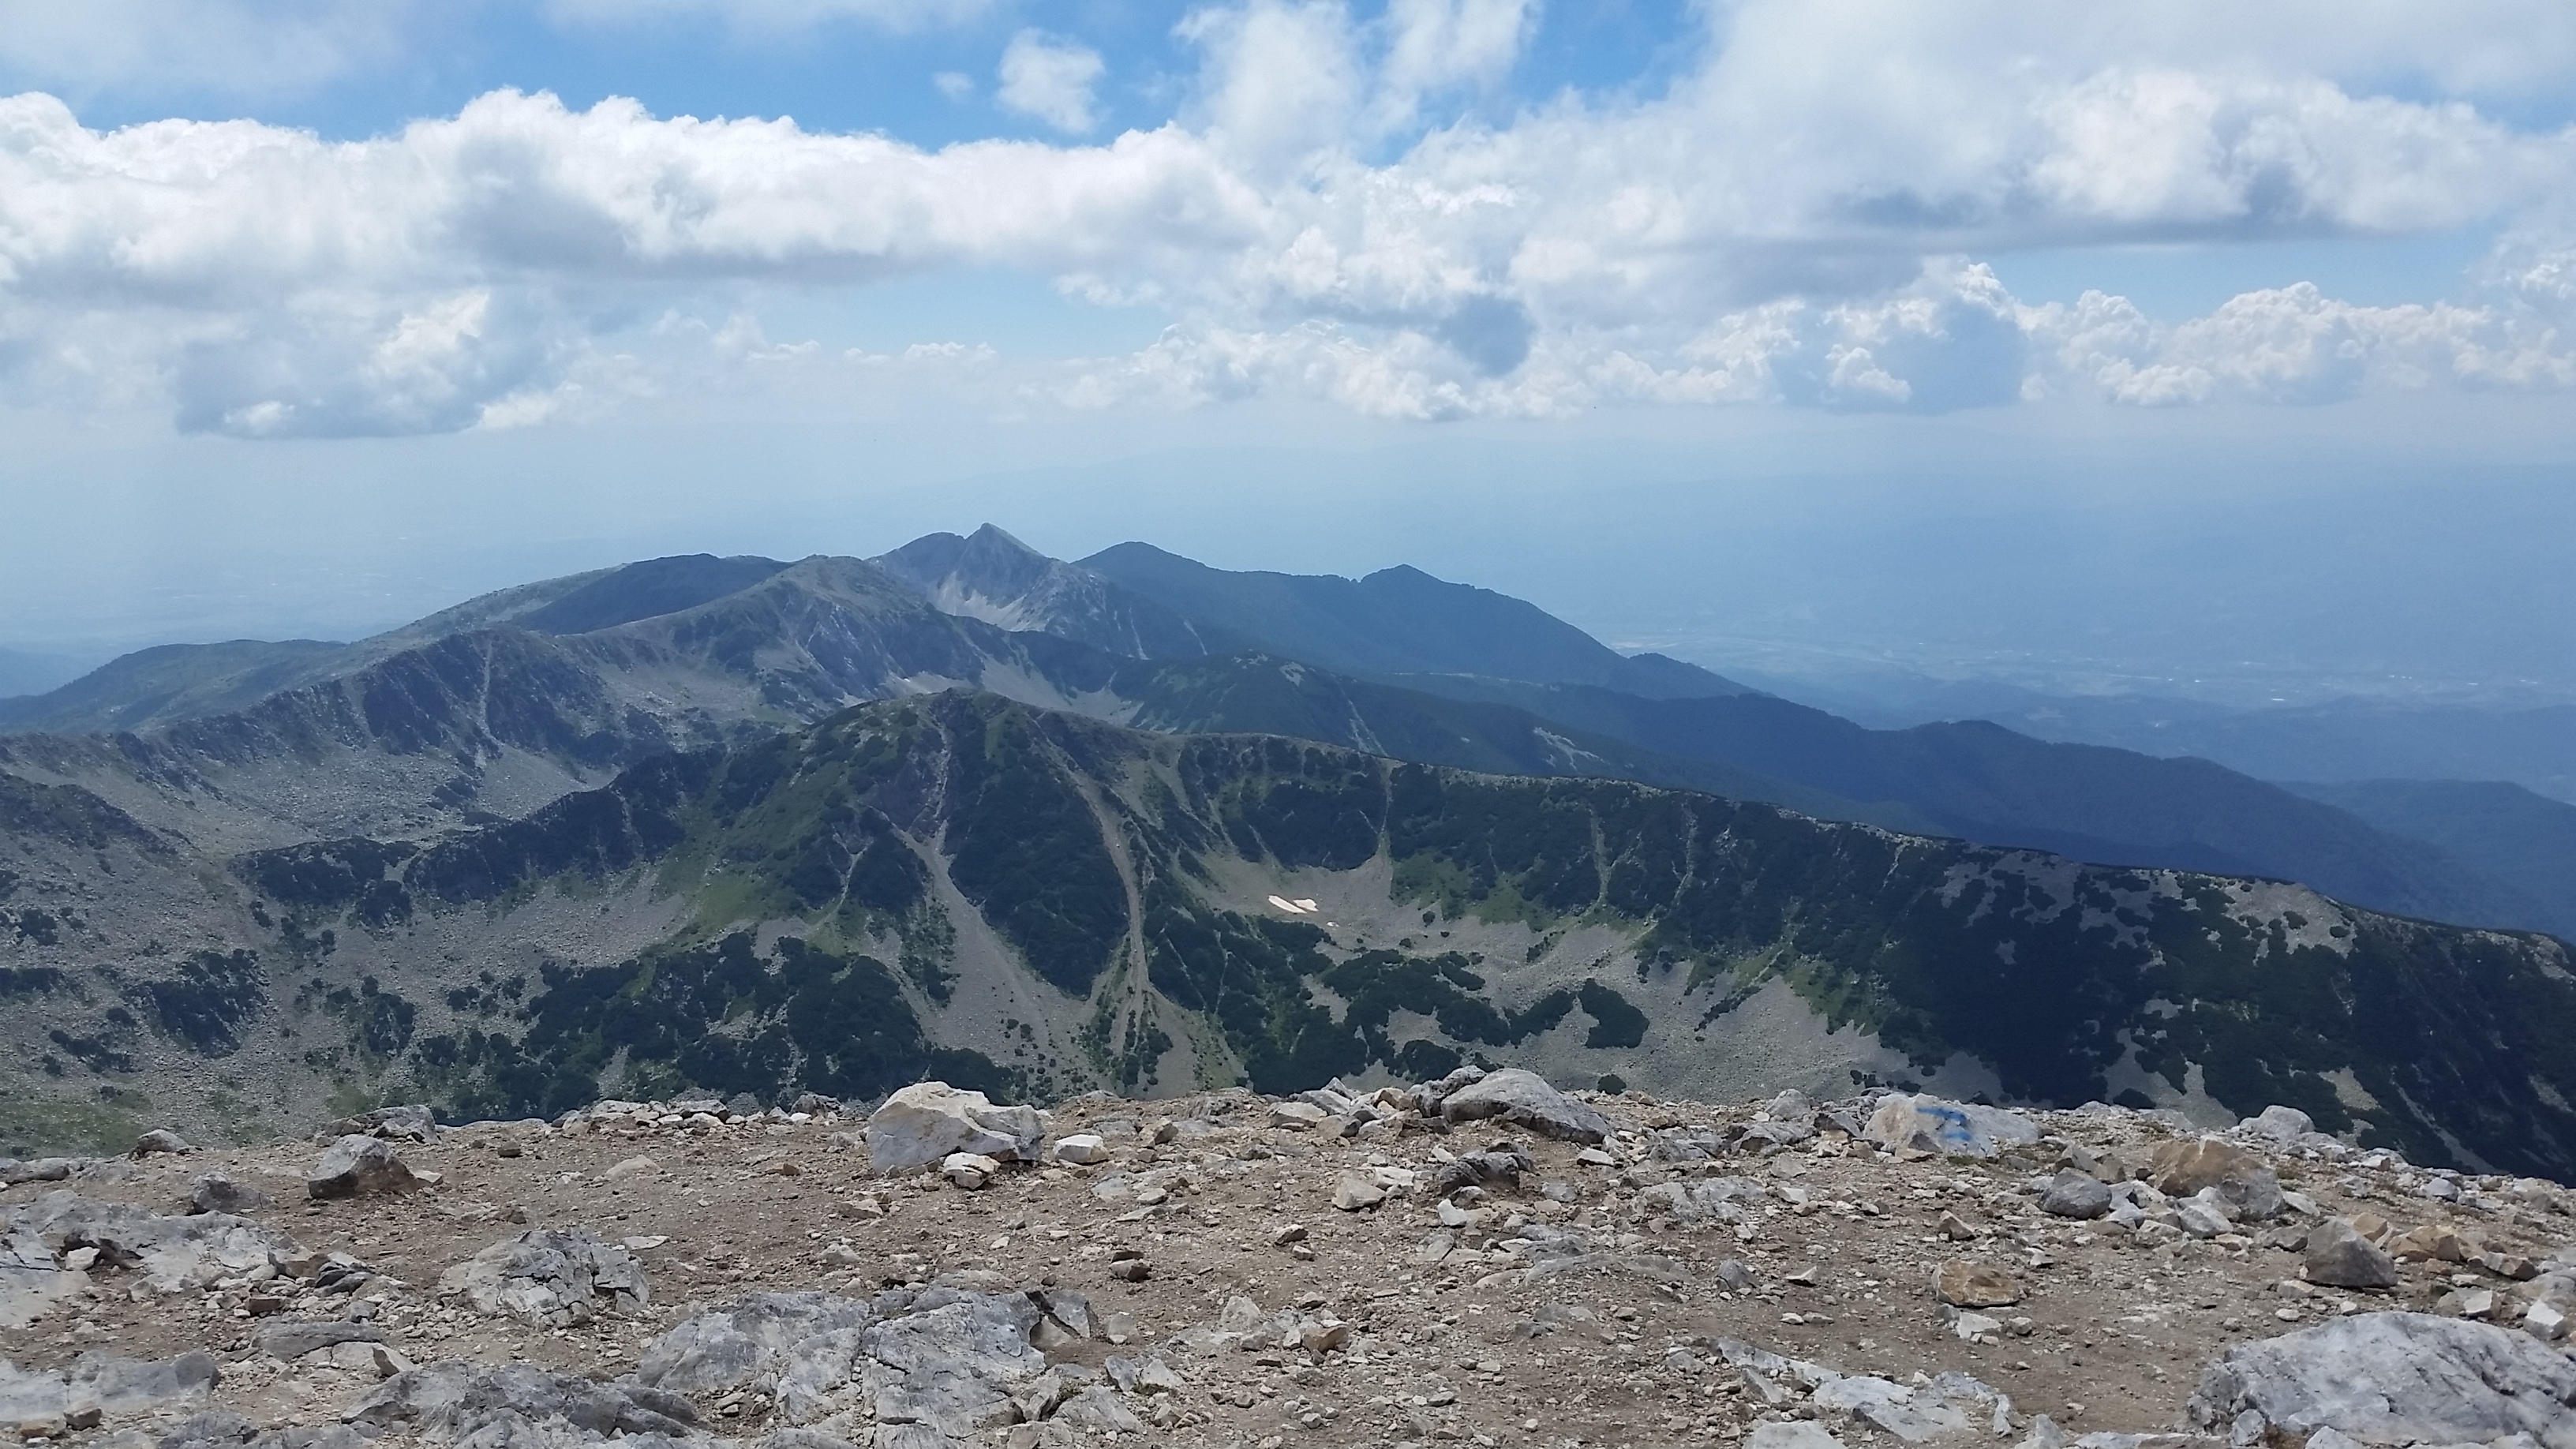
(1045,902)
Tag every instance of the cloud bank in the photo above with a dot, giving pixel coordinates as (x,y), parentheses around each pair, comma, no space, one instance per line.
(1796,220)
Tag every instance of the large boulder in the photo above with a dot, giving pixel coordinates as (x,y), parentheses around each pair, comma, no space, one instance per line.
(944,1359)
(1525,1099)
(2338,1256)
(1951,1129)
(214,1192)
(925,1123)
(100,1385)
(2073,1194)
(293,1338)
(462,1402)
(2249,1189)
(551,1277)
(2391,1378)
(360,1166)
(170,1254)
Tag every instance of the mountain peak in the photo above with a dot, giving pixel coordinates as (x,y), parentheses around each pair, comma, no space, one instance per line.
(996,578)
(648,590)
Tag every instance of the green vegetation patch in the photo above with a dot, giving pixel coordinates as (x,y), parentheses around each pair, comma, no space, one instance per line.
(717,1016)
(208,1003)
(1025,847)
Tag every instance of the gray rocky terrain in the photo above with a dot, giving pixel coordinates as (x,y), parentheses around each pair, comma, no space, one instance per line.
(1481,1260)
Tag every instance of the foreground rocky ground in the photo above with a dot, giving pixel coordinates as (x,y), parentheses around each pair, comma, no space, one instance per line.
(1486,1263)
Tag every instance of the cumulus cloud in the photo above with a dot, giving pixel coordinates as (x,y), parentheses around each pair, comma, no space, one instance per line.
(1437,45)
(1050,80)
(1794,222)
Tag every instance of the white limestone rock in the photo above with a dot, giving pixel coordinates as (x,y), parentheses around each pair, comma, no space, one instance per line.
(929,1121)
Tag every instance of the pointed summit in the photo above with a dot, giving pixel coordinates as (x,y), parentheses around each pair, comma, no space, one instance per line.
(990,575)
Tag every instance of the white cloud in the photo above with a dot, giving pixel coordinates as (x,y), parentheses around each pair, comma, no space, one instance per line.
(1283,79)
(1786,225)
(1436,45)
(1050,80)
(222,47)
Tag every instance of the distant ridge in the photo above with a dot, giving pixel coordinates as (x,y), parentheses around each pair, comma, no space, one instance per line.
(1396,621)
(495,706)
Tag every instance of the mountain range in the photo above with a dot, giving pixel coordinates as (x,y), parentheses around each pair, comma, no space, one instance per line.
(400,848)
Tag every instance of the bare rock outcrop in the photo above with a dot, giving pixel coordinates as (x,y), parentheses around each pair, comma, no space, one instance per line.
(2393,1379)
(551,1277)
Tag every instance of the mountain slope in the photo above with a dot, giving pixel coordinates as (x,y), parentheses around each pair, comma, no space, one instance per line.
(167,683)
(996,578)
(475,716)
(2524,839)
(504,702)
(1989,784)
(1395,621)
(1043,902)
(1250,693)
(2345,739)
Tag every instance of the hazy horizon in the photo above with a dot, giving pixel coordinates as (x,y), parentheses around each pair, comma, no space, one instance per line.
(2178,350)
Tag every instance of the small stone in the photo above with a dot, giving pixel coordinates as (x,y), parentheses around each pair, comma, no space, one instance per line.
(160,1140)
(1355,1193)
(2339,1256)
(1595,1157)
(1293,1233)
(1082,1149)
(969,1170)
(2508,1265)
(1786,1434)
(2200,1219)
(1955,1230)
(1963,1284)
(1325,1337)
(215,1193)
(2074,1194)
(2433,1241)
(2545,1321)
(1977,1328)
(1297,1116)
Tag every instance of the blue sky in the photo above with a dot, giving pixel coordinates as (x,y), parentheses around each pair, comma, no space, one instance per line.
(1859,241)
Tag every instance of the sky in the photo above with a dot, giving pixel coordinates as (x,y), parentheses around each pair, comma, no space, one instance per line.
(2102,343)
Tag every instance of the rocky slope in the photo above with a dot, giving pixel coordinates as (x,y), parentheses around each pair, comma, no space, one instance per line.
(507,701)
(1039,903)
(1391,1268)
